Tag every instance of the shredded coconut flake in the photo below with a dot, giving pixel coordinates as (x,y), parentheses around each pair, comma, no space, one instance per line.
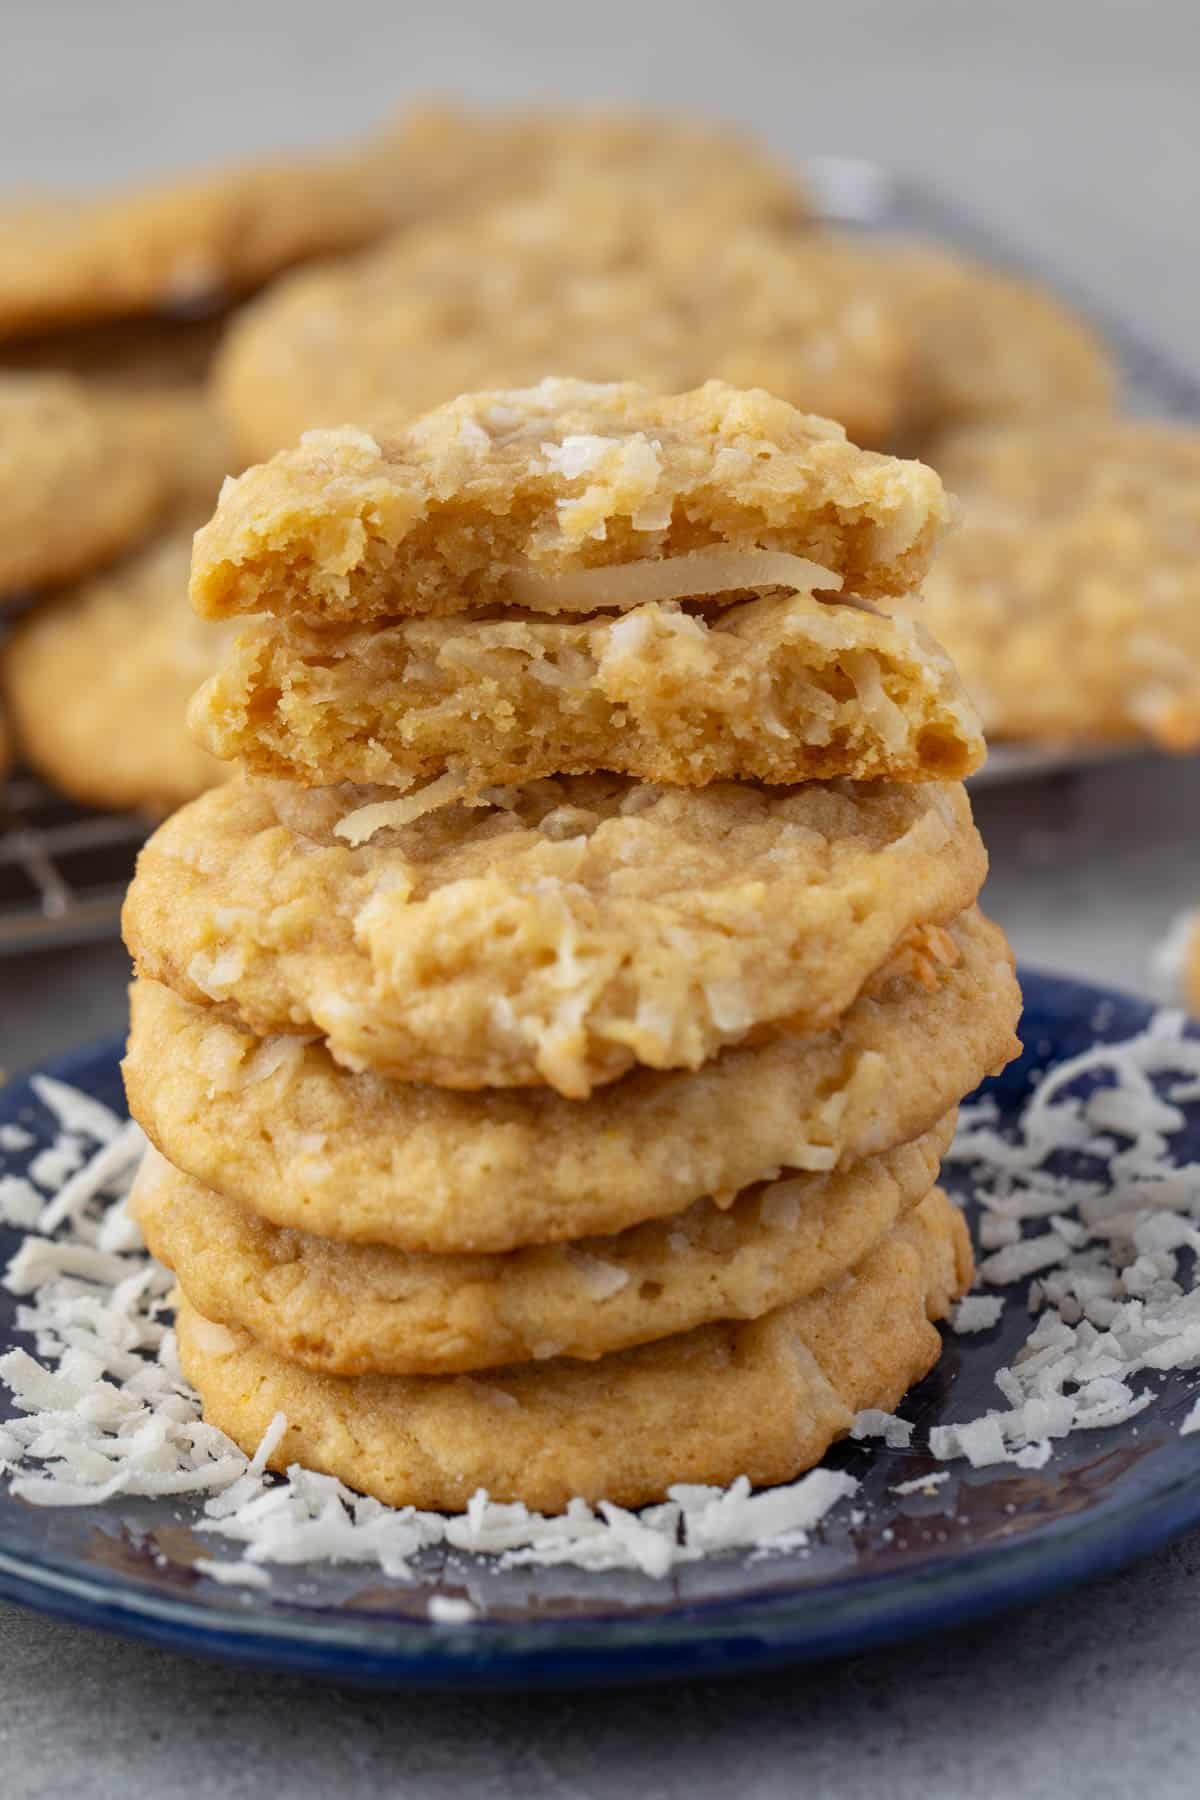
(389,815)
(1192,1422)
(601,1279)
(922,1484)
(450,1609)
(872,1423)
(978,1312)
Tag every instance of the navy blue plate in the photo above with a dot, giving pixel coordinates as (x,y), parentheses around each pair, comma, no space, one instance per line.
(990,1538)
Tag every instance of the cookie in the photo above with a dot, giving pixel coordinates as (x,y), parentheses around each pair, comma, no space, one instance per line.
(195,238)
(98,683)
(686,163)
(783,689)
(77,485)
(990,346)
(585,926)
(184,438)
(567,497)
(346,1309)
(1070,599)
(763,1399)
(280,1128)
(598,278)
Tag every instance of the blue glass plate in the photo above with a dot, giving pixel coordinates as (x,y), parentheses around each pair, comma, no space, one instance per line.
(990,1538)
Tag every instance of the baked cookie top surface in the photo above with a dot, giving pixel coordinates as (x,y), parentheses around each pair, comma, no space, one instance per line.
(348,1309)
(991,346)
(587,925)
(782,689)
(763,1398)
(77,480)
(1070,598)
(98,682)
(282,1129)
(595,278)
(569,496)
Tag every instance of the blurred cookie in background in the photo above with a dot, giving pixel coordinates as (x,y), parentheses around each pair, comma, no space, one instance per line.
(1070,597)
(98,680)
(989,346)
(77,484)
(97,677)
(592,279)
(197,239)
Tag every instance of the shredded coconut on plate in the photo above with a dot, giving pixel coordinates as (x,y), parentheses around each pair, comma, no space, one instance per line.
(1083,1196)
(922,1484)
(872,1423)
(103,1411)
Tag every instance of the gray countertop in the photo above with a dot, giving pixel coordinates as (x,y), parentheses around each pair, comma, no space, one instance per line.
(1074,127)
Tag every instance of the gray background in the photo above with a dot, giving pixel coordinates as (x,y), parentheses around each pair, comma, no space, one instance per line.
(1074,127)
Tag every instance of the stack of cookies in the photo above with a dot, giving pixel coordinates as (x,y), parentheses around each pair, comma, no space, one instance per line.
(550,1037)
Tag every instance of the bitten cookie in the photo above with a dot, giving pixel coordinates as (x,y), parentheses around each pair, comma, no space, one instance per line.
(783,688)
(568,497)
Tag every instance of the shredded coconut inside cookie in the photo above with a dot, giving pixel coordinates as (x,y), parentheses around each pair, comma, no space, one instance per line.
(1107,1221)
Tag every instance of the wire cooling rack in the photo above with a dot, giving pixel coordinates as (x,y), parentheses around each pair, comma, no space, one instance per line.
(64,869)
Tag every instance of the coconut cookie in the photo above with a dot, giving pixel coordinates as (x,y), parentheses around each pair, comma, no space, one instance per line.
(600,278)
(194,239)
(1070,599)
(588,925)
(197,237)
(348,1309)
(279,1127)
(763,1399)
(990,346)
(567,497)
(98,683)
(76,482)
(782,689)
